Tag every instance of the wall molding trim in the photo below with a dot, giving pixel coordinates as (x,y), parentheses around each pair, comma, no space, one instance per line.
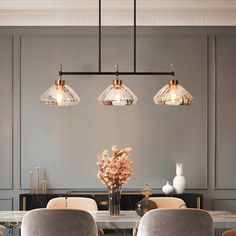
(117,17)
(216,156)
(11,185)
(11,200)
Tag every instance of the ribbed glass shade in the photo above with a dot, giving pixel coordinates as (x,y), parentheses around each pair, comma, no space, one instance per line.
(117,94)
(60,94)
(173,94)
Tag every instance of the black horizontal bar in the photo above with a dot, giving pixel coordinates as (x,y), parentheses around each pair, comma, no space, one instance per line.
(172,73)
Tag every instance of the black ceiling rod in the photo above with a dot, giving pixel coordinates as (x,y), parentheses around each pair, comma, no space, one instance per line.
(135,35)
(99,72)
(100,36)
(115,73)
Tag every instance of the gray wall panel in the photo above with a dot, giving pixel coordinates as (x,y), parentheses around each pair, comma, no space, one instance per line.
(59,133)
(5,204)
(117,48)
(6,112)
(184,129)
(225,115)
(62,139)
(225,205)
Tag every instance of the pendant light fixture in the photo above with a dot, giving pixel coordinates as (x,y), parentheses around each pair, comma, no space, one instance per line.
(60,94)
(117,94)
(173,94)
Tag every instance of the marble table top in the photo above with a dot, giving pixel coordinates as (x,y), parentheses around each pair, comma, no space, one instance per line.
(126,220)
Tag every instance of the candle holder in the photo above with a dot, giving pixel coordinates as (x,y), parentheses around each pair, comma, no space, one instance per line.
(37,179)
(31,181)
(44,186)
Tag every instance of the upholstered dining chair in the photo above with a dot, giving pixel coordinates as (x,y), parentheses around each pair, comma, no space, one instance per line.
(82,203)
(58,222)
(177,222)
(168,202)
(231,232)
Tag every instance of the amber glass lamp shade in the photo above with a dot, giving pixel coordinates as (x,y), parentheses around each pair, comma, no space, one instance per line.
(60,94)
(173,94)
(117,94)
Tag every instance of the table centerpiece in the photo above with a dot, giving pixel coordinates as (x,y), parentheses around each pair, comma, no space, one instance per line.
(114,171)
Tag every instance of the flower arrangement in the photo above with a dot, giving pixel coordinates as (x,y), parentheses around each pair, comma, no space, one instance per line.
(115,170)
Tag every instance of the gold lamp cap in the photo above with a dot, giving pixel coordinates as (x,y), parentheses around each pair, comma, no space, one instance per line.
(173,82)
(60,82)
(117,82)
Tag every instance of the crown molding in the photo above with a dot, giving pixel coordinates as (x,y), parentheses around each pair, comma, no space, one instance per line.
(118,4)
(118,17)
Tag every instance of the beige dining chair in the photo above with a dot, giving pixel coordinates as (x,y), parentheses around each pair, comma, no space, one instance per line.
(82,203)
(231,232)
(177,222)
(168,202)
(58,222)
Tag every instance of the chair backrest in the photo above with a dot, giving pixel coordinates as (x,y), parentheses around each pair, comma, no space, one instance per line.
(177,222)
(58,222)
(168,202)
(81,203)
(231,232)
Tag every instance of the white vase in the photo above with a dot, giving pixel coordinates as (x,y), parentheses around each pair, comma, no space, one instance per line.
(179,181)
(167,189)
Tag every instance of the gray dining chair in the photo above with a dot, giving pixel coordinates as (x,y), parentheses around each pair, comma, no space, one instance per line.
(80,203)
(176,222)
(58,222)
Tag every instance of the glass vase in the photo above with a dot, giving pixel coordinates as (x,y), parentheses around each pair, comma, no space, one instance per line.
(144,206)
(114,195)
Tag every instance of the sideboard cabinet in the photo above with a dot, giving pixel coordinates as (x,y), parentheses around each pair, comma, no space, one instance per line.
(128,199)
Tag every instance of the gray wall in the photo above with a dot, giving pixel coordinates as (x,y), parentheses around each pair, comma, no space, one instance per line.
(75,136)
(65,142)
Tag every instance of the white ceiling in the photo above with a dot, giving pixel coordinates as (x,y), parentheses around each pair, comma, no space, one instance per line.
(118,12)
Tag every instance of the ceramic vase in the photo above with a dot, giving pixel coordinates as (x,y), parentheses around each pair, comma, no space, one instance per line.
(167,189)
(179,181)
(114,195)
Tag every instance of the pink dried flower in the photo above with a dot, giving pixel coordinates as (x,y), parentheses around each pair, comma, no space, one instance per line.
(115,170)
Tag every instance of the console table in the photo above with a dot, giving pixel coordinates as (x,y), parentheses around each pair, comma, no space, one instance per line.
(128,199)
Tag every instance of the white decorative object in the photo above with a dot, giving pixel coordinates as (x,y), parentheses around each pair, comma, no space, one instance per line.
(167,189)
(179,181)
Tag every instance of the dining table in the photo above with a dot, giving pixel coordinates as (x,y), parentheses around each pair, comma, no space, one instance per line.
(126,219)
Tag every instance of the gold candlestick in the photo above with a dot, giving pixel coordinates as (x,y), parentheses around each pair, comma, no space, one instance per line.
(37,179)
(198,202)
(31,182)
(24,204)
(44,186)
